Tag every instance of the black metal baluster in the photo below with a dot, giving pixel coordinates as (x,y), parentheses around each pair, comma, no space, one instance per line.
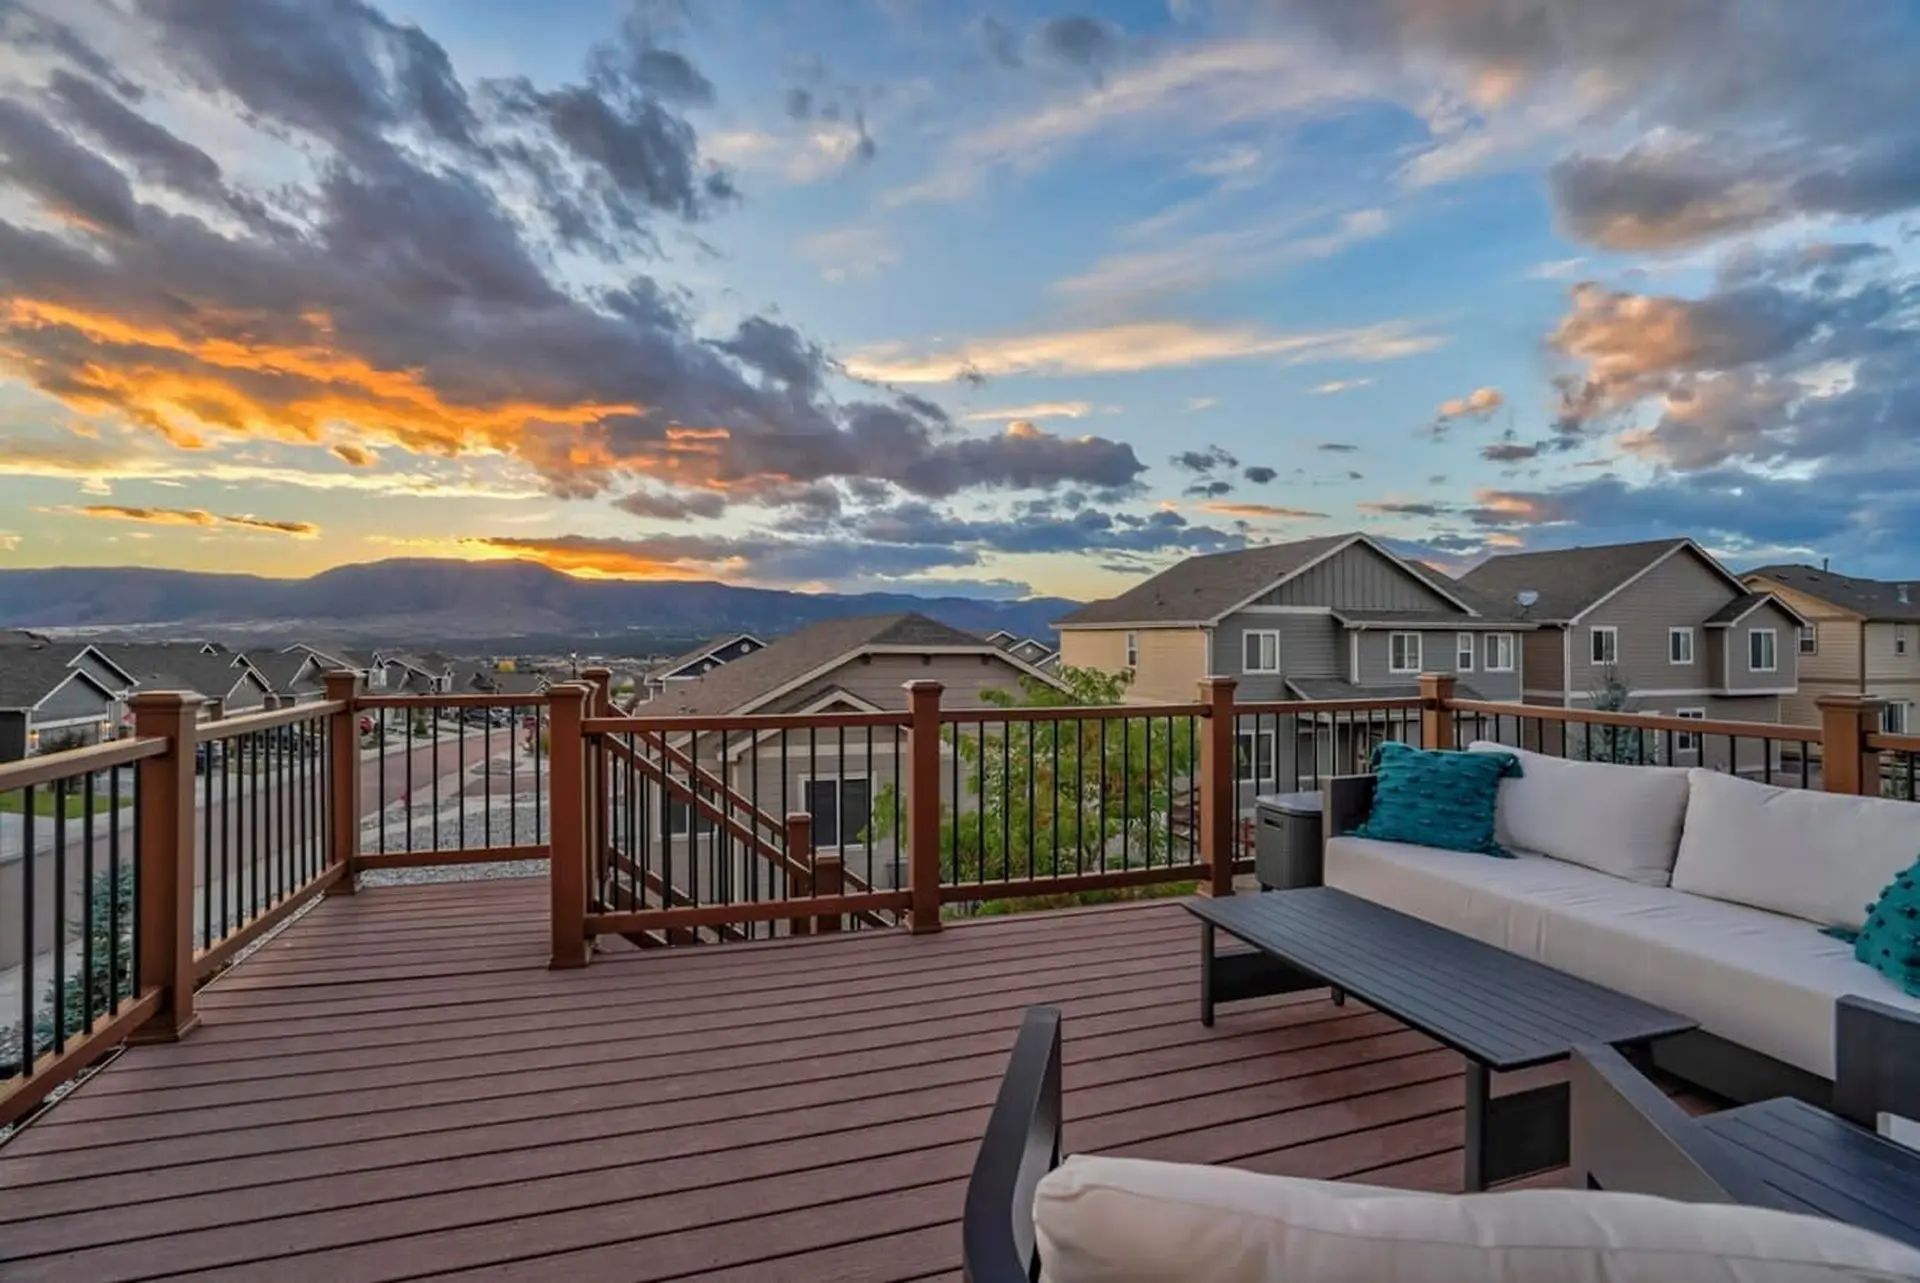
(230,892)
(1103,795)
(29,857)
(1126,793)
(1079,795)
(1031,764)
(59,940)
(380,757)
(205,766)
(460,765)
(89,999)
(113,885)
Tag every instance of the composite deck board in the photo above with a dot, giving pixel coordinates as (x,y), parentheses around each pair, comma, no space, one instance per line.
(395,1088)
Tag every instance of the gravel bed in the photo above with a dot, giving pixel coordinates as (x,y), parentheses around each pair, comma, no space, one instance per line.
(444,833)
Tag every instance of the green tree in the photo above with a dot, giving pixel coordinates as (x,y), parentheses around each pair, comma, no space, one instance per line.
(1625,745)
(112,968)
(1044,798)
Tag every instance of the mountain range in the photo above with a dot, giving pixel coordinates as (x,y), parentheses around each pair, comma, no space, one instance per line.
(435,600)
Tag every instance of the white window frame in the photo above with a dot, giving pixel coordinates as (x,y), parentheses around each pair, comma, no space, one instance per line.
(1896,715)
(1414,654)
(840,782)
(1674,635)
(1899,639)
(1262,635)
(1688,741)
(1809,633)
(1773,646)
(1463,652)
(1496,644)
(1132,644)
(1608,633)
(1246,769)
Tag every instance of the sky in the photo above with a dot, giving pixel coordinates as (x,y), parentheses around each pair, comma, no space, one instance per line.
(935,296)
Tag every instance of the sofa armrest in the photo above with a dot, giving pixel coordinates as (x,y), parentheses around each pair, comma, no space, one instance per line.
(1344,803)
(1627,1136)
(1876,1060)
(1021,1145)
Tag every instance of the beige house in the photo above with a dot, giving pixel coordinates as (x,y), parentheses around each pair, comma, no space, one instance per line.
(1862,637)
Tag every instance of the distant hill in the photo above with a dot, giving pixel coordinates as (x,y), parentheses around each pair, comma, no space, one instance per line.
(428,600)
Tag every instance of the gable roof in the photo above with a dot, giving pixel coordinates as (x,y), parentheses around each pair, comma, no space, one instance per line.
(31,673)
(700,652)
(1572,581)
(1203,589)
(1877,600)
(180,666)
(737,686)
(1745,604)
(285,672)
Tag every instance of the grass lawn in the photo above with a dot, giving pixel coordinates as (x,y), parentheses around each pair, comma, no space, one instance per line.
(15,802)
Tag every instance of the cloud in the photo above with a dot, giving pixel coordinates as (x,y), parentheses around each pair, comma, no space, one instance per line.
(1238,508)
(850,253)
(404,294)
(1507,452)
(190,517)
(1079,41)
(1145,345)
(1207,460)
(1197,262)
(1259,474)
(1478,404)
(1195,404)
(1557,270)
(1037,410)
(1404,508)
(353,455)
(1333,386)
(1337,447)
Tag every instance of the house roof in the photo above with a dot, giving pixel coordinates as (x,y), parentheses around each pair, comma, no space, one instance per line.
(176,666)
(1745,604)
(283,670)
(1874,599)
(699,652)
(333,657)
(29,674)
(1428,619)
(1201,589)
(733,686)
(1569,580)
(1341,688)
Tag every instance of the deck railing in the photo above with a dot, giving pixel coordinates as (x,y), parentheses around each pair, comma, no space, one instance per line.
(133,871)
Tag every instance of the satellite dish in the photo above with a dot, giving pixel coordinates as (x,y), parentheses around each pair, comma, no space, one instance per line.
(1526,597)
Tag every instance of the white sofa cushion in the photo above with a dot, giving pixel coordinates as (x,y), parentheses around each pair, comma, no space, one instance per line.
(1120,1220)
(1755,978)
(1623,820)
(1819,856)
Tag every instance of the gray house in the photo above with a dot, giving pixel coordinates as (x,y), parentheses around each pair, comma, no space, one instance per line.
(45,704)
(1654,627)
(698,662)
(226,682)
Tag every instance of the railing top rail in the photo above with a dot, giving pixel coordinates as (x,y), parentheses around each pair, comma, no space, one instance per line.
(680,724)
(1642,721)
(49,768)
(1298,706)
(1071,713)
(1893,743)
(227,727)
(479,700)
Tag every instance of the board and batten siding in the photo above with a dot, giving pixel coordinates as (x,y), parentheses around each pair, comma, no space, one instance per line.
(1311,645)
(1679,592)
(1356,578)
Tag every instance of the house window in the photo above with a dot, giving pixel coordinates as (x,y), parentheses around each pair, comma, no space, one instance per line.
(679,817)
(1253,756)
(1403,652)
(1762,653)
(1809,639)
(1260,651)
(1895,716)
(1679,645)
(841,808)
(1133,650)
(1603,645)
(1899,639)
(1499,652)
(1687,741)
(1463,652)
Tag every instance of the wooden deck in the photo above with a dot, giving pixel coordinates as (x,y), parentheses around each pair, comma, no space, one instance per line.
(395,1088)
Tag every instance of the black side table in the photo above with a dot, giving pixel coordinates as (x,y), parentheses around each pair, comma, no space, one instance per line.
(1286,843)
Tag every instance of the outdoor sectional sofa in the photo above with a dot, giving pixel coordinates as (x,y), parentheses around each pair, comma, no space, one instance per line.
(1694,890)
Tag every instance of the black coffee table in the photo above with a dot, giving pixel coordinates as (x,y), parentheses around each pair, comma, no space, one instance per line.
(1810,1161)
(1499,1010)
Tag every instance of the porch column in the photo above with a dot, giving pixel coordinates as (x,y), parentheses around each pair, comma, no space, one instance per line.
(1847,765)
(1436,718)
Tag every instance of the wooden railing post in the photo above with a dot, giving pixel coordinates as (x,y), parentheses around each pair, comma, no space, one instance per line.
(1847,765)
(567,823)
(599,777)
(343,760)
(601,680)
(800,884)
(1219,785)
(1436,718)
(829,878)
(164,881)
(923,804)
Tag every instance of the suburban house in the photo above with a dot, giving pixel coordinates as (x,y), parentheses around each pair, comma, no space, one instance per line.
(404,673)
(855,665)
(698,662)
(1338,617)
(1861,637)
(1653,627)
(292,676)
(46,704)
(334,659)
(227,683)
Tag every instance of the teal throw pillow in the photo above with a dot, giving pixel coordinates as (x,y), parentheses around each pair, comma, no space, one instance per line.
(1437,798)
(1890,940)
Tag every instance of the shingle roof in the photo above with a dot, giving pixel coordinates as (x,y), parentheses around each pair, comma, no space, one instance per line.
(1739,606)
(732,685)
(281,668)
(701,651)
(1568,579)
(1876,599)
(175,666)
(28,673)
(1429,619)
(1203,587)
